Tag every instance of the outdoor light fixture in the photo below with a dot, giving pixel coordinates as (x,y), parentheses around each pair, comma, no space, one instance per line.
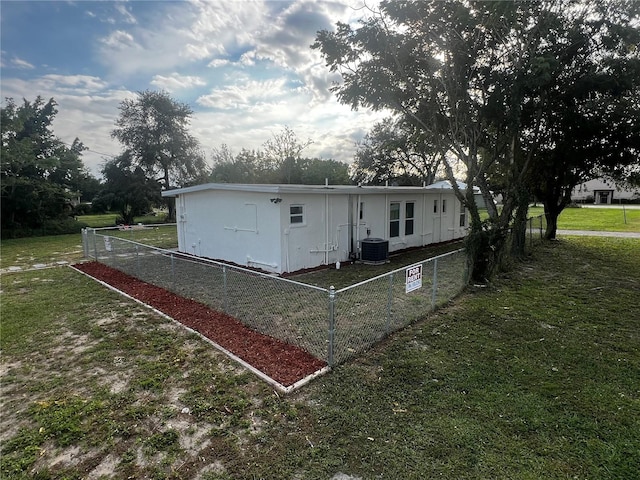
(275,200)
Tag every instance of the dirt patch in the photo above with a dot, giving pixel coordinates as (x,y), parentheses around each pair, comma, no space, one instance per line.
(281,361)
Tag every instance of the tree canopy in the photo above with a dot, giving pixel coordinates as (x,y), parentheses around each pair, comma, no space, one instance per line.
(154,131)
(127,189)
(41,177)
(490,83)
(280,162)
(392,152)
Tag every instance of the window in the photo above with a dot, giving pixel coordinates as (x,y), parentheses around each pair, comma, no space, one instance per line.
(394,217)
(296,214)
(444,205)
(435,206)
(463,215)
(408,218)
(361,210)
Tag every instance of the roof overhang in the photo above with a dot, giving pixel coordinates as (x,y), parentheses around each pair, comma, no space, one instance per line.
(278,189)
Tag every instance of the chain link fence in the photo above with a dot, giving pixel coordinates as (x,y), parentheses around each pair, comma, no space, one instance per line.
(332,325)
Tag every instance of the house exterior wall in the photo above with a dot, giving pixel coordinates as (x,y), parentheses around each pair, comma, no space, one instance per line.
(322,238)
(431,224)
(239,227)
(290,231)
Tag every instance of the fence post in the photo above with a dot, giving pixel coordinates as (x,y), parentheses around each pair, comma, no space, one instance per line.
(113,252)
(531,232)
(85,245)
(389,303)
(95,244)
(541,226)
(224,289)
(173,272)
(137,263)
(332,322)
(434,291)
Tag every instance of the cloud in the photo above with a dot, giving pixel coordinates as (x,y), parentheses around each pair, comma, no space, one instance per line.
(175,35)
(246,93)
(87,109)
(175,81)
(119,40)
(14,62)
(125,14)
(218,62)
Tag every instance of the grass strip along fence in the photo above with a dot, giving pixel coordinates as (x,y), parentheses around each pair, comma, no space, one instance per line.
(331,324)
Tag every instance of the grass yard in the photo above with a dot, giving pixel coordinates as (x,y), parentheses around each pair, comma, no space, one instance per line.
(535,376)
(603,219)
(30,251)
(109,219)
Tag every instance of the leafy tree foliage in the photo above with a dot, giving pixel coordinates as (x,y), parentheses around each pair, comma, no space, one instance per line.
(488,83)
(279,163)
(40,175)
(248,166)
(394,152)
(127,189)
(282,153)
(154,131)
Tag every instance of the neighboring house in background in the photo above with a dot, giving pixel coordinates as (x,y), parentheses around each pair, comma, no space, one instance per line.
(602,191)
(285,228)
(479,199)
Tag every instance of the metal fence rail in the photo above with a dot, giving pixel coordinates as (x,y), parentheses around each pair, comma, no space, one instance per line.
(333,325)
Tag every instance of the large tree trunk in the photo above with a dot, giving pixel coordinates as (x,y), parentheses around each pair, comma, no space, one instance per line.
(171,202)
(552,225)
(519,229)
(553,207)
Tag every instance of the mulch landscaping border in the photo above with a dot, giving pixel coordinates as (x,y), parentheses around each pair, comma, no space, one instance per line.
(287,365)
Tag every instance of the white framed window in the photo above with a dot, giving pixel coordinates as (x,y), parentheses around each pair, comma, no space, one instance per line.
(409,216)
(444,205)
(394,219)
(296,214)
(463,215)
(435,206)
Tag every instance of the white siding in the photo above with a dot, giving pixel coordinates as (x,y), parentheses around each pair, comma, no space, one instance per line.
(240,227)
(255,228)
(322,238)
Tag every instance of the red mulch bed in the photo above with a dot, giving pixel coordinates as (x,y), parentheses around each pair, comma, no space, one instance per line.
(281,361)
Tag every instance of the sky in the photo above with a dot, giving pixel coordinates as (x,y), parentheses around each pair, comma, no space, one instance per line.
(244,67)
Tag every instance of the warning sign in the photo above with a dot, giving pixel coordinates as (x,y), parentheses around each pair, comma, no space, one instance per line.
(413,278)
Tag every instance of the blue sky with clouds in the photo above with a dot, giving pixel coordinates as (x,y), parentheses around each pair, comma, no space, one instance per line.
(245,67)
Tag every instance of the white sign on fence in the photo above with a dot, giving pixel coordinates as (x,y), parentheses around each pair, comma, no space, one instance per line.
(413,278)
(107,244)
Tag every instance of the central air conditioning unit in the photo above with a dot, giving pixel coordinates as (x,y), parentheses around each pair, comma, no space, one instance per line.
(374,251)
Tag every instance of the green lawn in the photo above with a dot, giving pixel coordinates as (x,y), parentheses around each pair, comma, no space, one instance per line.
(27,252)
(604,219)
(109,219)
(535,376)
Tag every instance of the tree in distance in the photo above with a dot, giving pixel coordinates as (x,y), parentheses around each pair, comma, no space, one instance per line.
(279,163)
(154,131)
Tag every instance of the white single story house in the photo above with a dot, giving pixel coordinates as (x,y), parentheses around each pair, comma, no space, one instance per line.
(602,191)
(286,228)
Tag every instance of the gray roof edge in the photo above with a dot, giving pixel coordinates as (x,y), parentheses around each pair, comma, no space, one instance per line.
(305,189)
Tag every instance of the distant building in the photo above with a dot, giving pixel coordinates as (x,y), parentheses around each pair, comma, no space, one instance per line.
(601,191)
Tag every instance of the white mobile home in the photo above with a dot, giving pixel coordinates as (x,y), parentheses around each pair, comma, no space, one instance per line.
(285,228)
